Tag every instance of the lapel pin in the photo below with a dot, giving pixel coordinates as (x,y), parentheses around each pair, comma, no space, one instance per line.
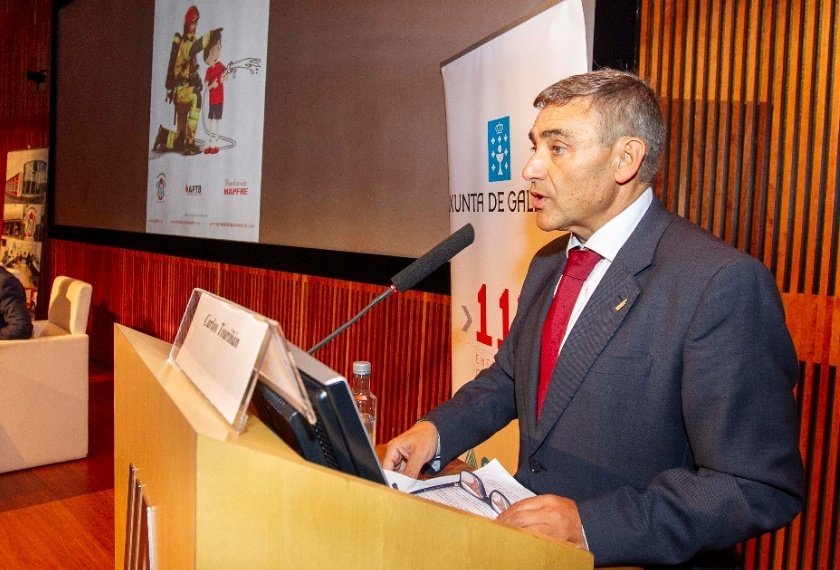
(620,305)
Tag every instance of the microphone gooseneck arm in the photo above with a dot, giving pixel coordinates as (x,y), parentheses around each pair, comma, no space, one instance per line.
(381,297)
(413,274)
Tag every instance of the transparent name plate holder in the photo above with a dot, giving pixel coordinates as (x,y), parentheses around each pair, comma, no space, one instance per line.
(224,349)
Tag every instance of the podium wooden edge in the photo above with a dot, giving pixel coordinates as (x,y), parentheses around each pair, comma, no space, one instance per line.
(224,500)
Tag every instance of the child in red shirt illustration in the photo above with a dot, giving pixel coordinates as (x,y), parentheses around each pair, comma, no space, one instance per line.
(215,77)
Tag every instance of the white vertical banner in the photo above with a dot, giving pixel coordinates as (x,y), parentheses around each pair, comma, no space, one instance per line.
(206,120)
(489,93)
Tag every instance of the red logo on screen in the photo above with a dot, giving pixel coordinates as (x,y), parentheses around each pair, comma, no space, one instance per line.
(236,187)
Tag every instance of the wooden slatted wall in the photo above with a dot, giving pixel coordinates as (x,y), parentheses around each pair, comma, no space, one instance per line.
(24,46)
(751,94)
(406,338)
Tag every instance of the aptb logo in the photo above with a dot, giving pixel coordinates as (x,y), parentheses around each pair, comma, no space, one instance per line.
(498,148)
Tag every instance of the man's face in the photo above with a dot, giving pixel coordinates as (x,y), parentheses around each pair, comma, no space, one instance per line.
(571,173)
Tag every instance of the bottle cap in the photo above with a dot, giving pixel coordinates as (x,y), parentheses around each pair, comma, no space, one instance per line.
(361,368)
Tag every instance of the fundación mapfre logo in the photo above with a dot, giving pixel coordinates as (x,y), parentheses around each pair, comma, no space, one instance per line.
(160,187)
(498,149)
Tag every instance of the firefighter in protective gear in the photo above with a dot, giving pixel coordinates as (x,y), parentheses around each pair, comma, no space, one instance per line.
(183,88)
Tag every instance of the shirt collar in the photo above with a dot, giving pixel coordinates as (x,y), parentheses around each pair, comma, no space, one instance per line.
(610,237)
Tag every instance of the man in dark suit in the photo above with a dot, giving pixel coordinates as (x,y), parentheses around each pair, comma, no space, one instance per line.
(15,322)
(666,429)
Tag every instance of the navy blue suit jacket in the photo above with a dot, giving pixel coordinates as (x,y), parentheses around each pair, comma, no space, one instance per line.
(670,417)
(15,321)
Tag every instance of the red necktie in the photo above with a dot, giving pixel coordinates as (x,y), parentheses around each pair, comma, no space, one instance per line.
(578,267)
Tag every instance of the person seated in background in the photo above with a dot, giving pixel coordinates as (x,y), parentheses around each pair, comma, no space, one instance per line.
(654,390)
(15,322)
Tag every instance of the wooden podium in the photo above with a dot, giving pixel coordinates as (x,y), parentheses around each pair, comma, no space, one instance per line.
(223,500)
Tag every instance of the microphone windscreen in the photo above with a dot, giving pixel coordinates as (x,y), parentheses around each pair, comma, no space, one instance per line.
(434,258)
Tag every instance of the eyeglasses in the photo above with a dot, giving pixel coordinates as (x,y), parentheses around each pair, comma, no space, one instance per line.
(472,484)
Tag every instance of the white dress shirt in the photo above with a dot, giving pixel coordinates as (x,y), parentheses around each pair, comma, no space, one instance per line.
(606,242)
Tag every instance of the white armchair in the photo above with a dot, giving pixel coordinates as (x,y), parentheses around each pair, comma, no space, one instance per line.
(44,384)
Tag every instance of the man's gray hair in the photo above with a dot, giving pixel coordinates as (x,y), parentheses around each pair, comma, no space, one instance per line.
(626,106)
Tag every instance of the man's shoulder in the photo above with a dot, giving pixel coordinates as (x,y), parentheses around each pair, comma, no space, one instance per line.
(6,276)
(686,244)
(10,286)
(684,234)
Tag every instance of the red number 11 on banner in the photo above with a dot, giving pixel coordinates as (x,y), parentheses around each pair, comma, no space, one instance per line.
(504,304)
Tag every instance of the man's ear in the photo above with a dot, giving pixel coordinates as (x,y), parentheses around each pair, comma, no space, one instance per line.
(630,153)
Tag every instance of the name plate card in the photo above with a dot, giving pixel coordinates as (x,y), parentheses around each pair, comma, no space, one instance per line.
(222,348)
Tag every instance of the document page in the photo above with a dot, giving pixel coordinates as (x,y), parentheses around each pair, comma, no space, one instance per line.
(487,491)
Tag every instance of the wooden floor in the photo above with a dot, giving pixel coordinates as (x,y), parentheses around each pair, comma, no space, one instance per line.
(62,516)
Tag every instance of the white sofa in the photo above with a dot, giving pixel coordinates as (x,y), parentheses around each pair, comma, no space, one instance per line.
(44,384)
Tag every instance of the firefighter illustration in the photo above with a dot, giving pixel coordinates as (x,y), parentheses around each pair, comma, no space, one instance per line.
(183,88)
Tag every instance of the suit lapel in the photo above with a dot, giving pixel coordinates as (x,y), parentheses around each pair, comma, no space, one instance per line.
(604,313)
(536,316)
(611,302)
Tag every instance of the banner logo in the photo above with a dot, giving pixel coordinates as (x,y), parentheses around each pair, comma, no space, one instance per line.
(30,221)
(498,148)
(160,186)
(236,187)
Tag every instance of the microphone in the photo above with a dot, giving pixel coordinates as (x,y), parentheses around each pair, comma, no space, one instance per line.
(413,274)
(434,258)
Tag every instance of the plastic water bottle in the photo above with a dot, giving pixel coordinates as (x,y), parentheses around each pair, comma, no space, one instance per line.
(365,400)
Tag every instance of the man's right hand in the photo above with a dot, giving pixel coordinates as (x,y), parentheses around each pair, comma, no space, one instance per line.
(409,451)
